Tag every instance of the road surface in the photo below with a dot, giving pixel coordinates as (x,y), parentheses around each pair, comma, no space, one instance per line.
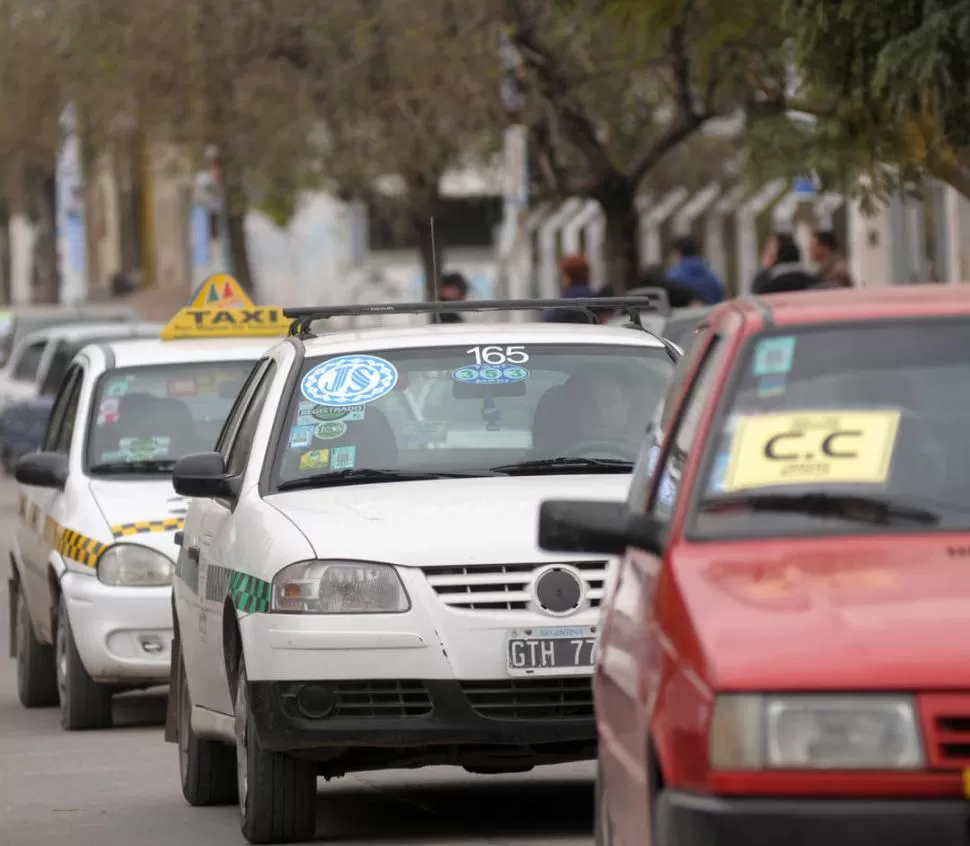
(121,787)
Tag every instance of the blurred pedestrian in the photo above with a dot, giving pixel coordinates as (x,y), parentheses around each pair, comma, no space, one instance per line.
(782,270)
(453,288)
(679,295)
(574,284)
(688,268)
(833,272)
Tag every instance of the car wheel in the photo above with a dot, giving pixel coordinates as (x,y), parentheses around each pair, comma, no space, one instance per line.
(207,767)
(36,677)
(85,704)
(277,793)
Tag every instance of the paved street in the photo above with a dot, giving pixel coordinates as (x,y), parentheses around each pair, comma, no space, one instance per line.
(120,788)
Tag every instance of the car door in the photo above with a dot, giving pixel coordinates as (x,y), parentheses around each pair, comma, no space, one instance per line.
(44,506)
(190,586)
(18,380)
(215,553)
(634,660)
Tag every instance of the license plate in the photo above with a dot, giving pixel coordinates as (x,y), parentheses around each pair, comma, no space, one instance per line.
(551,651)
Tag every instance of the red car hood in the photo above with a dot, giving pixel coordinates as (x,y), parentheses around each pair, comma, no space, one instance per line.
(890,612)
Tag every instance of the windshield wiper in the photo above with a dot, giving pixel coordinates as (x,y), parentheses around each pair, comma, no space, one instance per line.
(365,474)
(559,465)
(856,508)
(119,467)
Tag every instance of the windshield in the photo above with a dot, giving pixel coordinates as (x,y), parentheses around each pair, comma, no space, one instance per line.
(451,410)
(149,417)
(843,429)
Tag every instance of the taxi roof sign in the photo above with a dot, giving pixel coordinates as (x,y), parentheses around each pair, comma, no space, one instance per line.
(220,308)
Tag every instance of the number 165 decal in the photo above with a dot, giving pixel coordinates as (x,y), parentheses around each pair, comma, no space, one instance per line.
(499,355)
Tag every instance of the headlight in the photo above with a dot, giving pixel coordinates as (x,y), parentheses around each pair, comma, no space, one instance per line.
(815,732)
(130,565)
(339,587)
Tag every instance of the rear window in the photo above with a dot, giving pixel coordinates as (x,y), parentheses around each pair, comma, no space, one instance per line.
(842,429)
(152,416)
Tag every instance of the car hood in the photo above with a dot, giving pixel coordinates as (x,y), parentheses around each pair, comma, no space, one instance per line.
(837,613)
(130,507)
(446,521)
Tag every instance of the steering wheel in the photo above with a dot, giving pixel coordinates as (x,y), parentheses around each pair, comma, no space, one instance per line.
(582,450)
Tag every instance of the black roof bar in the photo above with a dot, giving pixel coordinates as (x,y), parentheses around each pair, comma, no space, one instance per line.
(655,300)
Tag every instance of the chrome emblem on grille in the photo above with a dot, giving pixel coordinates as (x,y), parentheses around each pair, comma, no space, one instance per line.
(559,590)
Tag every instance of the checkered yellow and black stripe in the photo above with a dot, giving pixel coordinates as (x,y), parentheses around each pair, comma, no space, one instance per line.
(144,527)
(73,545)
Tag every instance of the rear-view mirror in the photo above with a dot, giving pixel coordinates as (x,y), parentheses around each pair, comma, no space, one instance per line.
(598,528)
(203,475)
(42,470)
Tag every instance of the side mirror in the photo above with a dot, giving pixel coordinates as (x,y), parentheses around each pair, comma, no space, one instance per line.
(601,528)
(203,475)
(42,470)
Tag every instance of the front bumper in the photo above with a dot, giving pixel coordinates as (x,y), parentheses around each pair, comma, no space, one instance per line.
(553,717)
(123,634)
(691,820)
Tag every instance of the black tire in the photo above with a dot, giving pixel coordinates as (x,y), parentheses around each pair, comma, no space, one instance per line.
(207,767)
(277,793)
(36,672)
(85,704)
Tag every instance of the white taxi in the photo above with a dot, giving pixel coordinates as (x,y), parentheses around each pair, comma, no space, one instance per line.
(359,584)
(92,556)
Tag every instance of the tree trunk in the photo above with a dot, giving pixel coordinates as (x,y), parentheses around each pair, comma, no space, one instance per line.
(236,207)
(46,276)
(622,240)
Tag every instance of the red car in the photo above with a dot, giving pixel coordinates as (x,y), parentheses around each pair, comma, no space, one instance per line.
(785,651)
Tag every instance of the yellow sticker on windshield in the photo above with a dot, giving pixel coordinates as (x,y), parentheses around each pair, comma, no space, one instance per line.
(841,447)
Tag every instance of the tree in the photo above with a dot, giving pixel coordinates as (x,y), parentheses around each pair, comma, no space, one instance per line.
(613,87)
(888,83)
(404,92)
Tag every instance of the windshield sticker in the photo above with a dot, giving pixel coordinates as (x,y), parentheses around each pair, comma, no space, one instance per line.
(774,356)
(343,458)
(348,415)
(849,447)
(144,449)
(771,386)
(300,437)
(182,388)
(652,458)
(116,389)
(329,431)
(108,411)
(719,473)
(487,374)
(315,459)
(666,494)
(112,456)
(349,380)
(424,433)
(499,355)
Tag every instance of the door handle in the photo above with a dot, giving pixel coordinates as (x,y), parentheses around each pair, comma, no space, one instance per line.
(193,552)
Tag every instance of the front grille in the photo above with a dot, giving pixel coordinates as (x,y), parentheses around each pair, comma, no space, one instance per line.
(503,587)
(945,719)
(385,699)
(531,699)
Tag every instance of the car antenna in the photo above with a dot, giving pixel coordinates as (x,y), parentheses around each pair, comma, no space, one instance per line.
(434,263)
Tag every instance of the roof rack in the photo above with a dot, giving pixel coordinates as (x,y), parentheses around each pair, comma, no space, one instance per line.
(655,300)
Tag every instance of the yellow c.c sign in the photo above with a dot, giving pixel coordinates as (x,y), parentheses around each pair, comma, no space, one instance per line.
(837,447)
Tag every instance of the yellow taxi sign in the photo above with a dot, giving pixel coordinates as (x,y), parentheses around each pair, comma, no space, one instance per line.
(219,308)
(837,447)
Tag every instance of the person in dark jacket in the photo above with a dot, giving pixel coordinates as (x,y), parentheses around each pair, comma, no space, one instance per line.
(690,269)
(781,267)
(575,284)
(454,288)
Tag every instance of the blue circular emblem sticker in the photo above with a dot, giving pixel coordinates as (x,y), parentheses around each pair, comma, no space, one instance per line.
(490,374)
(349,380)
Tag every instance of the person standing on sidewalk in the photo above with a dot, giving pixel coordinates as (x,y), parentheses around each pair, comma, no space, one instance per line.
(782,270)
(833,272)
(453,289)
(688,268)
(574,284)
